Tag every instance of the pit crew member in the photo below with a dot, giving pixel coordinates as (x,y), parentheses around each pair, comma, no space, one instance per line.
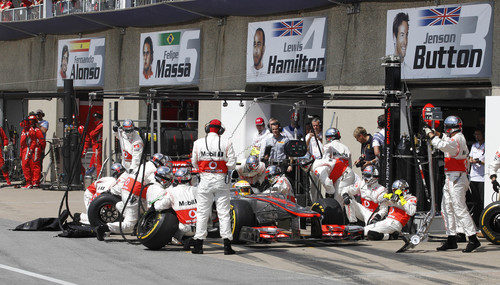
(334,148)
(37,145)
(372,194)
(259,137)
(181,198)
(253,171)
(453,206)
(334,174)
(112,184)
(402,204)
(131,144)
(279,182)
(137,184)
(213,156)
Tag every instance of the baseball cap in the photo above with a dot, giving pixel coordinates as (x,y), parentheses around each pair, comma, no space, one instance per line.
(259,121)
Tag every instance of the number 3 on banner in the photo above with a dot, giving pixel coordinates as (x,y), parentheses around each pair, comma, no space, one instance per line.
(314,33)
(191,54)
(476,38)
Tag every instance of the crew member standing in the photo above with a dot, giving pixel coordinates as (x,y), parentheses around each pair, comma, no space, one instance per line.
(131,144)
(37,144)
(259,137)
(453,205)
(24,142)
(214,157)
(96,139)
(5,140)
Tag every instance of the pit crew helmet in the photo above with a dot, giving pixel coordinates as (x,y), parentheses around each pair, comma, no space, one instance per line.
(32,120)
(332,134)
(159,159)
(401,185)
(243,188)
(128,126)
(117,169)
(272,173)
(452,124)
(252,163)
(164,175)
(182,175)
(370,174)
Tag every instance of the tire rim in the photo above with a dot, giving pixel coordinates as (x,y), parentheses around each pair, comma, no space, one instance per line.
(108,213)
(146,224)
(495,223)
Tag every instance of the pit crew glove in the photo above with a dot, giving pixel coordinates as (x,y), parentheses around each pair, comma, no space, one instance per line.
(428,131)
(375,219)
(347,199)
(5,148)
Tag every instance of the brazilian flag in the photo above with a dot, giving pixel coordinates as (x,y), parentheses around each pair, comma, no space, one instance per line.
(170,39)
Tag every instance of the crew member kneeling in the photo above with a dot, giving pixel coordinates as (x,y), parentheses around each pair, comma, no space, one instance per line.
(213,156)
(453,205)
(402,206)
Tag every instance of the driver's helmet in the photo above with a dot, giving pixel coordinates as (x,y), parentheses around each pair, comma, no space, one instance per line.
(182,175)
(128,126)
(117,169)
(164,175)
(272,173)
(159,159)
(401,185)
(370,174)
(252,163)
(332,134)
(242,187)
(452,124)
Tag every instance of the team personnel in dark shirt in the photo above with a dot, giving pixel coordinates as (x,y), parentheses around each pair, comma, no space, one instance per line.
(368,156)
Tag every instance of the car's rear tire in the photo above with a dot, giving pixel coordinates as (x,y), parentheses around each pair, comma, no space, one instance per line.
(490,223)
(241,215)
(332,214)
(103,210)
(156,229)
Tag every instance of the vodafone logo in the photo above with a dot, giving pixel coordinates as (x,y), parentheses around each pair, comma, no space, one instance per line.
(391,211)
(212,165)
(366,203)
(192,214)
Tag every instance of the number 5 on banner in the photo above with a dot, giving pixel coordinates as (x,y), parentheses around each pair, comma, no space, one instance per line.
(191,54)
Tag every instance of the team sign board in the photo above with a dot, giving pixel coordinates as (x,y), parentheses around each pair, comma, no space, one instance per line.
(170,58)
(81,60)
(287,50)
(449,41)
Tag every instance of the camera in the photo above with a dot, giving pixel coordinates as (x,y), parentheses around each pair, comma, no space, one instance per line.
(361,162)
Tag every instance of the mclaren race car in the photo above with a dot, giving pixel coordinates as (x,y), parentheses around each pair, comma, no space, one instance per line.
(258,218)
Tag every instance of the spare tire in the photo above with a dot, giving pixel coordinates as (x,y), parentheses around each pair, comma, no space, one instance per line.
(103,210)
(332,214)
(241,215)
(490,223)
(156,229)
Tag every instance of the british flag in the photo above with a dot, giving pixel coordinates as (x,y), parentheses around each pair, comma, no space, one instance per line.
(440,16)
(288,28)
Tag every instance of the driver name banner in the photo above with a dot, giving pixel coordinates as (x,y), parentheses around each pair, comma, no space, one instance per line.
(287,50)
(442,42)
(81,60)
(170,58)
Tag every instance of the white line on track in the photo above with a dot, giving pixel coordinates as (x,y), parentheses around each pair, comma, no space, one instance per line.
(36,275)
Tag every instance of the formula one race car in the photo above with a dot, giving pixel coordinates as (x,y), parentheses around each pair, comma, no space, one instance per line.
(260,218)
(270,217)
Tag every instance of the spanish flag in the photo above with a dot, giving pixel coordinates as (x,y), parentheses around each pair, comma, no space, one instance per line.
(79,45)
(170,39)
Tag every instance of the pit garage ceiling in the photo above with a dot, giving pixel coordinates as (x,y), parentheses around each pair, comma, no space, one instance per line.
(165,13)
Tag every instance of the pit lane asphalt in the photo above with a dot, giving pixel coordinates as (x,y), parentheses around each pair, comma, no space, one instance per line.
(83,261)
